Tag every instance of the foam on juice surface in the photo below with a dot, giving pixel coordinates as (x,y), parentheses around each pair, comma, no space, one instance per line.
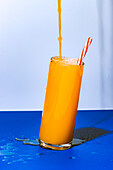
(65,61)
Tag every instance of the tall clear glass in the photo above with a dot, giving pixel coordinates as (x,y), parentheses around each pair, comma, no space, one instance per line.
(61,102)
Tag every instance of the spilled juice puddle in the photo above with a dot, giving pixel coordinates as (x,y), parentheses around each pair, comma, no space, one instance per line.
(35,142)
(80,136)
(28,141)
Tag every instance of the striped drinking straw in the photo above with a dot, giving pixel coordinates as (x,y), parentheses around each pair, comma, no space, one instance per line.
(84,51)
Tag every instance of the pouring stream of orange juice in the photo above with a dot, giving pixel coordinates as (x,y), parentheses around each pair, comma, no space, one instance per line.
(60,37)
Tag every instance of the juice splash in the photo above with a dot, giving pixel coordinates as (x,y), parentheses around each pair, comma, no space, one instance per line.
(35,142)
(60,37)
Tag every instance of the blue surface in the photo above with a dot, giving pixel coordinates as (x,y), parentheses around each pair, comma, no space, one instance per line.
(94,154)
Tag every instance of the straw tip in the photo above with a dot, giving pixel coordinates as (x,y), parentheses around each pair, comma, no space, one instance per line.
(84,51)
(90,39)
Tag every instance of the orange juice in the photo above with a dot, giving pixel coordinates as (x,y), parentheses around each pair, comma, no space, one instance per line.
(61,102)
(60,37)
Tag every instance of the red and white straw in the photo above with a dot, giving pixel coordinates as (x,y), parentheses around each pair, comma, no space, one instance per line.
(84,51)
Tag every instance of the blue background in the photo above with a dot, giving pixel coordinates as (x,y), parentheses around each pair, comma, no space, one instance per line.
(28,38)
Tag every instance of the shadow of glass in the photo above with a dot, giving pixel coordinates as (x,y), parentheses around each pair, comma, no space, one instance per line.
(86,134)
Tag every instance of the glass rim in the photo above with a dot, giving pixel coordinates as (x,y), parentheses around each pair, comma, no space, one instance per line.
(54,58)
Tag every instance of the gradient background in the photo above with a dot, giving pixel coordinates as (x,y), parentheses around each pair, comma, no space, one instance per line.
(28,38)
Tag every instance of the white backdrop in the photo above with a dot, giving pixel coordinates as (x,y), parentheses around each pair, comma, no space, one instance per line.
(28,38)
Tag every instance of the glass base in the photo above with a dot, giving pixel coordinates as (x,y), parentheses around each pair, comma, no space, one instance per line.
(55,147)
